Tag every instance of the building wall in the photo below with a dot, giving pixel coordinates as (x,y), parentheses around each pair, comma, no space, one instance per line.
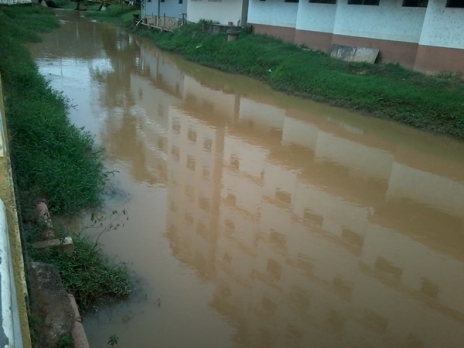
(426,39)
(222,11)
(393,29)
(273,12)
(441,42)
(273,17)
(170,8)
(443,27)
(388,21)
(315,24)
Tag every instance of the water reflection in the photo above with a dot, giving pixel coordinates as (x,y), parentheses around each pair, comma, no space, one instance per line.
(316,226)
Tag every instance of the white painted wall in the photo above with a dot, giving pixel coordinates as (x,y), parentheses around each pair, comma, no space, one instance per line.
(222,11)
(14,2)
(316,17)
(443,26)
(169,8)
(273,12)
(388,21)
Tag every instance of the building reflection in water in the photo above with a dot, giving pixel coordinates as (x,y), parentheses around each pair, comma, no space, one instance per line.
(315,229)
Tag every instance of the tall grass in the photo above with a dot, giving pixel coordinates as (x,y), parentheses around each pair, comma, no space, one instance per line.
(52,158)
(87,273)
(115,14)
(433,103)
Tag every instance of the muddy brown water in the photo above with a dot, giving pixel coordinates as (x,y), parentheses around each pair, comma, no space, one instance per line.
(258,219)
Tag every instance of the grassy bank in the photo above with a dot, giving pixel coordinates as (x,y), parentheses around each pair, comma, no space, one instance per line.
(52,158)
(115,14)
(389,91)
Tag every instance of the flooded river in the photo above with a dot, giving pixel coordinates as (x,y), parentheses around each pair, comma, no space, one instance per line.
(258,219)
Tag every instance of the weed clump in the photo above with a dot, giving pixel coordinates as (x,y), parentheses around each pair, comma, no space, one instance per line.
(432,103)
(87,273)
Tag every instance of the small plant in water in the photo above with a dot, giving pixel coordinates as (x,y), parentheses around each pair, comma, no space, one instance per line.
(113,340)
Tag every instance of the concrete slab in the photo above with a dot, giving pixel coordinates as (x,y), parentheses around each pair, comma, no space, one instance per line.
(354,54)
(65,243)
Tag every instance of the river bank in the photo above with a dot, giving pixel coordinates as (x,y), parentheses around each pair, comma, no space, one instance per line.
(53,160)
(431,103)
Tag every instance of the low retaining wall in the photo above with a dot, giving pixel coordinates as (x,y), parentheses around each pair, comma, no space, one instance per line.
(14,296)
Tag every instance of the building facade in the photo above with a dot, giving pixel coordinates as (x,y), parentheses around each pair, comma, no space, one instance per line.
(168,8)
(418,34)
(221,11)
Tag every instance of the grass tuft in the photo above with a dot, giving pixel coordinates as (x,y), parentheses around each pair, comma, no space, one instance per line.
(87,272)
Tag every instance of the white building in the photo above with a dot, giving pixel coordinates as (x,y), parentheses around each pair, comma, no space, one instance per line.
(420,34)
(168,8)
(424,35)
(221,11)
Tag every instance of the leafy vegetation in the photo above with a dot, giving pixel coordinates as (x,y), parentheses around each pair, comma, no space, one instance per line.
(86,273)
(115,14)
(433,103)
(53,159)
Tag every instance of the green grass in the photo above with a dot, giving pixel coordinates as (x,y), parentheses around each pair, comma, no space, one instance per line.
(115,14)
(51,158)
(385,90)
(87,272)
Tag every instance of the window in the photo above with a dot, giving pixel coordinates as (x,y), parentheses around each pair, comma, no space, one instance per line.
(204,203)
(283,196)
(180,2)
(455,3)
(206,173)
(192,135)
(415,3)
(175,153)
(176,127)
(162,0)
(234,162)
(333,2)
(208,144)
(190,163)
(364,2)
(294,1)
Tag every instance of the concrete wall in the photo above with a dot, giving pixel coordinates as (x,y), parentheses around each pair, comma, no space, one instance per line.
(393,29)
(14,2)
(316,17)
(443,27)
(170,8)
(273,12)
(13,288)
(388,21)
(441,45)
(222,11)
(427,39)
